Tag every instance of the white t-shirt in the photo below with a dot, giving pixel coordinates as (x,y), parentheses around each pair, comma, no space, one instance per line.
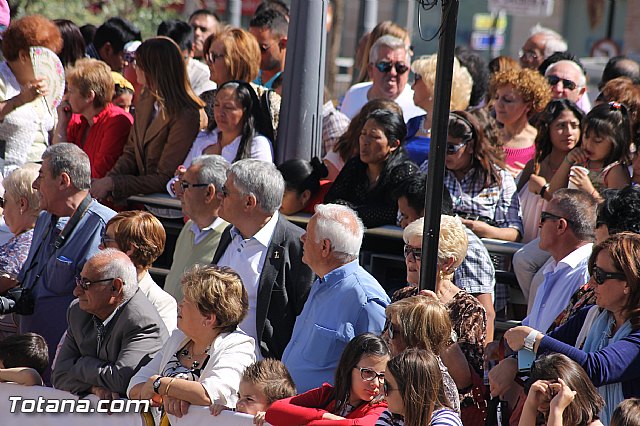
(356,97)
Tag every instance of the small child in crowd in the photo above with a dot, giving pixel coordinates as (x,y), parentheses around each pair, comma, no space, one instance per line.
(23,359)
(627,413)
(262,383)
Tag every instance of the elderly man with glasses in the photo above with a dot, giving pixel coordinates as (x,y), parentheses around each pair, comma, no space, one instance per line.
(113,329)
(567,80)
(389,71)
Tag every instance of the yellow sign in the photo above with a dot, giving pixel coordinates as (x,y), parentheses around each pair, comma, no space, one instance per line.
(485,22)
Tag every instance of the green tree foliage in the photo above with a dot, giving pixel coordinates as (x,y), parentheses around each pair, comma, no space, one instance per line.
(145,14)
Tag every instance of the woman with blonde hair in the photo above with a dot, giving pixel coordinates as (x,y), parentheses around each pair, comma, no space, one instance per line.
(419,128)
(168,118)
(87,118)
(203,361)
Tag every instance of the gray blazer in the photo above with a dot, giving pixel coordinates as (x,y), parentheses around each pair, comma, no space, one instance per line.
(134,335)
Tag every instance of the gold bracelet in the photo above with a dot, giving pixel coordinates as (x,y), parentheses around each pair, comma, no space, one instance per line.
(166,390)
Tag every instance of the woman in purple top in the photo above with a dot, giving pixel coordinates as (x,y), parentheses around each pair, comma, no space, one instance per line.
(603,339)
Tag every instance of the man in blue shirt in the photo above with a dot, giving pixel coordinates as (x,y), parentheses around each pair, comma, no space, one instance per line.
(66,235)
(270,28)
(345,300)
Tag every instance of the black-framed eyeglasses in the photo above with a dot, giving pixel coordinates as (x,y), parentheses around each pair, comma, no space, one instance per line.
(212,57)
(412,251)
(454,148)
(385,67)
(550,216)
(387,389)
(600,276)
(531,54)
(369,374)
(85,283)
(184,185)
(567,84)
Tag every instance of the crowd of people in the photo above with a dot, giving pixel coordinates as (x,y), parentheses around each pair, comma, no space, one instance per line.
(261,316)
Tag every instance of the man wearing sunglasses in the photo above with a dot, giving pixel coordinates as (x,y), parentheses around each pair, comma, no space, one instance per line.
(270,28)
(389,72)
(331,249)
(567,228)
(113,329)
(567,80)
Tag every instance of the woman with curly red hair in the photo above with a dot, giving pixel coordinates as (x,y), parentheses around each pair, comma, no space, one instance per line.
(24,123)
(516,96)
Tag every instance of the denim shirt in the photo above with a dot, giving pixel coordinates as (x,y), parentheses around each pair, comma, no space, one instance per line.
(347,302)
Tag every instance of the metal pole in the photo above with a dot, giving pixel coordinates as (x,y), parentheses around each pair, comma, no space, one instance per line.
(235,13)
(612,13)
(300,129)
(438,148)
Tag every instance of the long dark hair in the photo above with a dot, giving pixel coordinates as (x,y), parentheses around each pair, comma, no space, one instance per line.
(300,175)
(164,68)
(611,121)
(73,43)
(587,403)
(253,120)
(417,373)
(367,344)
(486,158)
(547,117)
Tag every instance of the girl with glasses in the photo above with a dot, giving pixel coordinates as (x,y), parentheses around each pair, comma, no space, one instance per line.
(415,392)
(355,399)
(483,192)
(605,338)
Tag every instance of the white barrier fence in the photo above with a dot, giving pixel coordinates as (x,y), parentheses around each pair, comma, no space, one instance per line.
(42,406)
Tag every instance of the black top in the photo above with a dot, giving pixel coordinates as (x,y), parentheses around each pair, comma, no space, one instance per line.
(374,205)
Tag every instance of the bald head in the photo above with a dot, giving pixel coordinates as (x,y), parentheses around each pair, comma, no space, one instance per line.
(113,263)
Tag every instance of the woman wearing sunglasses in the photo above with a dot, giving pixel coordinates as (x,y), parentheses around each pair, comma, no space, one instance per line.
(356,398)
(516,96)
(419,128)
(484,194)
(415,392)
(604,339)
(366,182)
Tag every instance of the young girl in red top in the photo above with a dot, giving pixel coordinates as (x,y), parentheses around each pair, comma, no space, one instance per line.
(356,398)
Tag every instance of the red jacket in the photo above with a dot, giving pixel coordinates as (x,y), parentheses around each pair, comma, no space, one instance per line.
(308,408)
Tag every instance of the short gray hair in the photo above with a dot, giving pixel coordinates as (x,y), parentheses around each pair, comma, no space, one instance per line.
(18,184)
(553,42)
(260,179)
(582,81)
(336,224)
(70,159)
(392,43)
(579,209)
(211,169)
(118,265)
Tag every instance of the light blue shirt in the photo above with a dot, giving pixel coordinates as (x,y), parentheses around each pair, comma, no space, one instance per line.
(561,280)
(347,302)
(53,290)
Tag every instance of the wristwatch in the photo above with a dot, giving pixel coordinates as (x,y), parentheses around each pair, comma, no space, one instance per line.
(530,340)
(156,385)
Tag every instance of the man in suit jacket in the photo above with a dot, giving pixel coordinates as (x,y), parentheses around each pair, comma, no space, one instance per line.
(266,251)
(198,190)
(113,329)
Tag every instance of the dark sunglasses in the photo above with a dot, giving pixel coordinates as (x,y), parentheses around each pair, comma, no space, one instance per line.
(385,66)
(454,148)
(369,374)
(85,283)
(388,327)
(130,57)
(412,251)
(387,389)
(600,276)
(567,84)
(550,216)
(1,202)
(185,185)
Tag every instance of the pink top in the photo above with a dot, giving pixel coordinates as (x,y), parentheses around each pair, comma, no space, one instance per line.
(520,155)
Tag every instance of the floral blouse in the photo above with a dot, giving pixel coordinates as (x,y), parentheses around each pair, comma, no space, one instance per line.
(14,253)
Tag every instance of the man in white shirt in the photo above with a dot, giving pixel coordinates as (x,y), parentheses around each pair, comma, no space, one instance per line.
(389,71)
(266,251)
